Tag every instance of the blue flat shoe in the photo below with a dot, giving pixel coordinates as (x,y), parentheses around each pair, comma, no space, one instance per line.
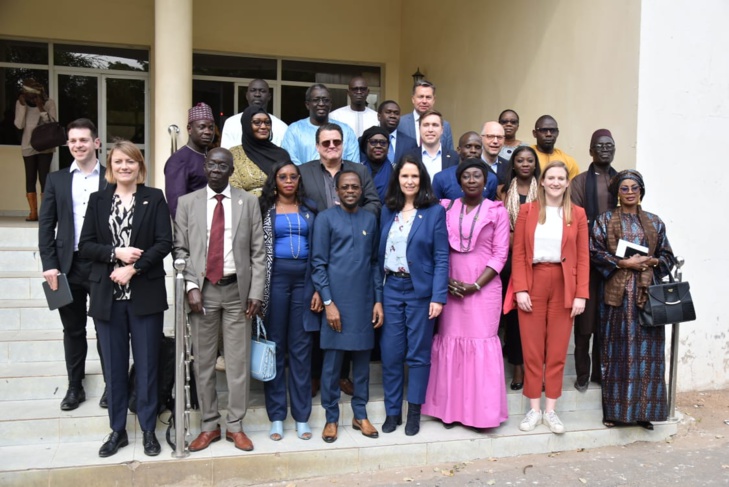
(276,433)
(303,431)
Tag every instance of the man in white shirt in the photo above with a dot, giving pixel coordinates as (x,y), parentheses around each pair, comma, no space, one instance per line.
(424,100)
(356,114)
(432,153)
(258,93)
(59,228)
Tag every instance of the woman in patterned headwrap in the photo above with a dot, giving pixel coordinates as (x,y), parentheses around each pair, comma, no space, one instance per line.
(633,361)
(519,187)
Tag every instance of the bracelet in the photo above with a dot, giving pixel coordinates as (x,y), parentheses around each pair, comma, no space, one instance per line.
(113,255)
(478,288)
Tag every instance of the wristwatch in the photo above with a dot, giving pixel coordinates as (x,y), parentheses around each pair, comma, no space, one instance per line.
(137,268)
(327,302)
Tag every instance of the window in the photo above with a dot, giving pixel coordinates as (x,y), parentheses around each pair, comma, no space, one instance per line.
(99,57)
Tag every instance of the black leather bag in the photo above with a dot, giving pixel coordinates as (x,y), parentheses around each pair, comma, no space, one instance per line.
(48,135)
(668,303)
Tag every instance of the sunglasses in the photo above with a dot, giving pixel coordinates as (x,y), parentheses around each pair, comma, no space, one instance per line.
(377,142)
(631,189)
(330,143)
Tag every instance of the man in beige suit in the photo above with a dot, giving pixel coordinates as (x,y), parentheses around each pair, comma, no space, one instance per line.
(218,232)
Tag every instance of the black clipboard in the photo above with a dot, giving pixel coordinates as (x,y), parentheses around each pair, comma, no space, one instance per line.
(61,296)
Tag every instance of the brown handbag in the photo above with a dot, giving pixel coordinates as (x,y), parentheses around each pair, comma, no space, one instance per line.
(48,135)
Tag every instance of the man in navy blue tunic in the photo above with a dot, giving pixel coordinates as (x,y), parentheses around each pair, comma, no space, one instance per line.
(346,275)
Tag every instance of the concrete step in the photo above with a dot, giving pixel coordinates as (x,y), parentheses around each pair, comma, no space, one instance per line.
(33,315)
(28,404)
(18,237)
(59,462)
(27,285)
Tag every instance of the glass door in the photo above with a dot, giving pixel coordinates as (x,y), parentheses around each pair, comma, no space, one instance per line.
(117,104)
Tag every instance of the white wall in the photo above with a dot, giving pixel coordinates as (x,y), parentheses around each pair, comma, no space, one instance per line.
(683,123)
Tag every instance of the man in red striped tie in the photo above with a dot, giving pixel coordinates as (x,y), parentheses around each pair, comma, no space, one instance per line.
(218,232)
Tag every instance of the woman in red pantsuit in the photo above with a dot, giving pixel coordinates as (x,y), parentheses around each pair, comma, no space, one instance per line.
(550,284)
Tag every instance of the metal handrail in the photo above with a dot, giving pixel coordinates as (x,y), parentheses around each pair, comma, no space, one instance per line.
(182,365)
(174,131)
(673,371)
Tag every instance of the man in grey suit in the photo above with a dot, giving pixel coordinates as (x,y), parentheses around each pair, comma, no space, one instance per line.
(424,101)
(218,232)
(59,228)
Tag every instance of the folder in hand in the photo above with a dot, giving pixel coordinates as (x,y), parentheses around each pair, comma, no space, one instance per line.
(61,296)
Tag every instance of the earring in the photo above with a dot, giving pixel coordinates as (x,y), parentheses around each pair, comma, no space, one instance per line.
(275,191)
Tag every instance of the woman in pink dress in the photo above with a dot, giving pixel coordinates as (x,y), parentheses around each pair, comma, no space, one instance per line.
(467,383)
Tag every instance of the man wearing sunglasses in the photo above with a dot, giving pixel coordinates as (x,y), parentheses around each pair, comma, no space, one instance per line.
(318,175)
(590,191)
(357,115)
(546,132)
(300,138)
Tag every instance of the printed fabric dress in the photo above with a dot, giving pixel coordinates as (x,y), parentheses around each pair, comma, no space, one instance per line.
(467,382)
(632,356)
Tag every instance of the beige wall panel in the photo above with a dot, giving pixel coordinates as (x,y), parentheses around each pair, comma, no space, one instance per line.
(103,21)
(12,183)
(575,60)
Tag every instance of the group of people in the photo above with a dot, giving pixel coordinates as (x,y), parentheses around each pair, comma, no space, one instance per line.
(346,239)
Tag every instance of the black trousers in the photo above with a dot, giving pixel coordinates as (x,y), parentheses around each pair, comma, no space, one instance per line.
(37,168)
(588,325)
(73,318)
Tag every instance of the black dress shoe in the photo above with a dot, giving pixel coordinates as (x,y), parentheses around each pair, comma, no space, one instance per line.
(516,386)
(103,402)
(117,439)
(391,423)
(412,426)
(73,398)
(151,445)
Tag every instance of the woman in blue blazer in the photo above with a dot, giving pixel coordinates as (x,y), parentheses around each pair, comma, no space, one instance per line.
(127,233)
(414,255)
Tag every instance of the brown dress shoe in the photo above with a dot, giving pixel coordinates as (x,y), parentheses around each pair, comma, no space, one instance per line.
(365,427)
(346,386)
(329,435)
(240,440)
(204,439)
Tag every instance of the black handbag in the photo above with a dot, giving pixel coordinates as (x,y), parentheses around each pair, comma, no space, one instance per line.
(48,135)
(668,303)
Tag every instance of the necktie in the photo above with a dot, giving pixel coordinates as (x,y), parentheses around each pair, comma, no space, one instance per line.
(215,246)
(391,150)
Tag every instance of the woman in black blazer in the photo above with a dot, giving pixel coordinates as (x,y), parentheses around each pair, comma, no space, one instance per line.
(127,233)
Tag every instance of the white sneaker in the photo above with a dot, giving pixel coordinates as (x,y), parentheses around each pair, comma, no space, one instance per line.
(551,420)
(531,420)
(220,364)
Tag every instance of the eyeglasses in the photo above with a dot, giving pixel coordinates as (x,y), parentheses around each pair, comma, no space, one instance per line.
(359,89)
(258,123)
(288,177)
(322,100)
(629,189)
(223,166)
(377,142)
(329,143)
(546,130)
(349,187)
(512,122)
(492,137)
(607,146)
(476,176)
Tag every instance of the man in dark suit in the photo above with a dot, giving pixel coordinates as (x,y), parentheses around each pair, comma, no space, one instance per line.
(59,228)
(493,136)
(388,113)
(318,175)
(218,231)
(423,101)
(432,153)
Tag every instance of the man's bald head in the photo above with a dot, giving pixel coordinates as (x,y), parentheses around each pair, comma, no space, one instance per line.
(469,146)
